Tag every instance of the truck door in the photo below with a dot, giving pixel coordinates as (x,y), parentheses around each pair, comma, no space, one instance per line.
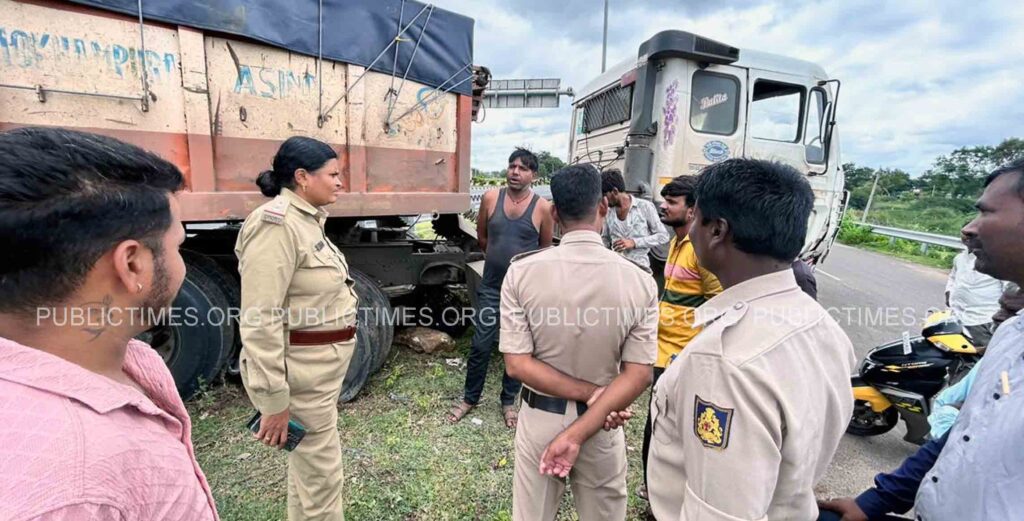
(786,117)
(775,117)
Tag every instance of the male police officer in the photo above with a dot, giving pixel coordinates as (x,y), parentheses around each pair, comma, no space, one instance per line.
(747,418)
(578,326)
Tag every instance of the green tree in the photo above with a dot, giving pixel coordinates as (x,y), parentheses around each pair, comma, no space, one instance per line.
(548,164)
(858,176)
(962,173)
(893,181)
(1009,150)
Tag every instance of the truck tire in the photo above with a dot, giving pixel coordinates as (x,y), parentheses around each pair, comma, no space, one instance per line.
(232,288)
(196,341)
(374,335)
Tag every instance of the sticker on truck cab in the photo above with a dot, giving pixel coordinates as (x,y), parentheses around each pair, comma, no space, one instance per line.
(716,151)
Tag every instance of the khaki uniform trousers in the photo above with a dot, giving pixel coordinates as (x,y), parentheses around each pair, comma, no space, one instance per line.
(598,479)
(315,476)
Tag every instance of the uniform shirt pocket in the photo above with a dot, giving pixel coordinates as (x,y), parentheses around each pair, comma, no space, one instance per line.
(317,272)
(324,257)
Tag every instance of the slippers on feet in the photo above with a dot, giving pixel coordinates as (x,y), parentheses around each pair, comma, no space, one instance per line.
(458,412)
(511,415)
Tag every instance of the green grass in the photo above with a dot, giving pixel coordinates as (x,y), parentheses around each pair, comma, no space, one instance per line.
(934,215)
(402,462)
(424,230)
(861,237)
(926,214)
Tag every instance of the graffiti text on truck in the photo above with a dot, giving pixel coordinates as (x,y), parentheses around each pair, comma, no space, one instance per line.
(28,49)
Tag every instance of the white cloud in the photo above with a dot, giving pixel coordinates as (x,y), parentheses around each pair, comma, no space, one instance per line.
(920,78)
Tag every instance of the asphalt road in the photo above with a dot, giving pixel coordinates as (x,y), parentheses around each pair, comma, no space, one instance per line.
(875,298)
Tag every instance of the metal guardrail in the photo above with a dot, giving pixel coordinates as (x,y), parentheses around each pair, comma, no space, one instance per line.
(926,239)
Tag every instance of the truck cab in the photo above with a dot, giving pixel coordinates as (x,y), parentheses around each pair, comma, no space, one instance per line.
(687,102)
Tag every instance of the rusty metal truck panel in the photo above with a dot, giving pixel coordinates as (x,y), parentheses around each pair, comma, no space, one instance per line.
(218,106)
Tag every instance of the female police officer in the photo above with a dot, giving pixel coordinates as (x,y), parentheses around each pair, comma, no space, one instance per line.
(298,321)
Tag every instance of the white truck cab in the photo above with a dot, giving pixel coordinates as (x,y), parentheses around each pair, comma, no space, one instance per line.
(687,102)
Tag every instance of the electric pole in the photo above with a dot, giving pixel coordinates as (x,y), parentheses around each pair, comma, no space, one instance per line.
(867,208)
(604,44)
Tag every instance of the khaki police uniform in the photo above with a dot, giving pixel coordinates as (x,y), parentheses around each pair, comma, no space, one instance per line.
(748,417)
(583,310)
(298,334)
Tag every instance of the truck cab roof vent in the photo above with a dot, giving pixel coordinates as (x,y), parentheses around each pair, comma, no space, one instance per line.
(681,44)
(713,48)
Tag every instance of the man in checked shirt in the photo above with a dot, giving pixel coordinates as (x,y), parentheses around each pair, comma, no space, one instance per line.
(976,471)
(633,226)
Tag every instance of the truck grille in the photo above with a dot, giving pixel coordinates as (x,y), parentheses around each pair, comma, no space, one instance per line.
(608,108)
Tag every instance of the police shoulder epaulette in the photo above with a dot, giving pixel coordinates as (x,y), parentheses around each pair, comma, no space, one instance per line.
(276,210)
(528,253)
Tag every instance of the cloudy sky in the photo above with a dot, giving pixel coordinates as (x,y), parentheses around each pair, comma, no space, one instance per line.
(920,78)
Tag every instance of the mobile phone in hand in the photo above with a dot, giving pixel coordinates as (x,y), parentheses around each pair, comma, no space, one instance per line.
(295,431)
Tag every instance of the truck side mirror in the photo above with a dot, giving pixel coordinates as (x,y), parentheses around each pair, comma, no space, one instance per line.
(823,128)
(825,133)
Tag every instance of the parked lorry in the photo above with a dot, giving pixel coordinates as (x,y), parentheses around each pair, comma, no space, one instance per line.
(215,87)
(687,101)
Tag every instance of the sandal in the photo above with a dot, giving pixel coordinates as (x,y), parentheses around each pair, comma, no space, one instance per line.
(458,412)
(511,415)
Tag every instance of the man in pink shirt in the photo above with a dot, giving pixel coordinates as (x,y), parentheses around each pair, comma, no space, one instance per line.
(91,426)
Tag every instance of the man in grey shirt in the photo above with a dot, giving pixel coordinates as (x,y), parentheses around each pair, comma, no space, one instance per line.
(633,225)
(979,473)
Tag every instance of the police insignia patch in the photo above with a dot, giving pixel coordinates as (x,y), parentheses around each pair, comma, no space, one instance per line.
(711,424)
(275,211)
(272,217)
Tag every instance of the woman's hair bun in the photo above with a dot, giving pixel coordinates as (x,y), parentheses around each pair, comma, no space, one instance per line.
(269,186)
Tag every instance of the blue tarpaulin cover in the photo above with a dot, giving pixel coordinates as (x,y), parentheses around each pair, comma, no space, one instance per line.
(354,31)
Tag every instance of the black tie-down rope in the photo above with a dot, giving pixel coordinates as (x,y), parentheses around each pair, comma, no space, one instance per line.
(398,45)
(323,116)
(434,94)
(408,67)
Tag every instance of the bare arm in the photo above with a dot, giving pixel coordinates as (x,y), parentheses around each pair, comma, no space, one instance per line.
(606,234)
(482,216)
(545,379)
(561,453)
(623,390)
(547,224)
(638,354)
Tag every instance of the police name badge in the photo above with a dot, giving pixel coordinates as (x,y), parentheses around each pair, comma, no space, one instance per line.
(711,424)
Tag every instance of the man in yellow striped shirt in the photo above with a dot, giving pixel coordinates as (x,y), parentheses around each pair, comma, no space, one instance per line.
(687,286)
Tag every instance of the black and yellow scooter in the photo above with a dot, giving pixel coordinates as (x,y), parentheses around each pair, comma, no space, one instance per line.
(899,379)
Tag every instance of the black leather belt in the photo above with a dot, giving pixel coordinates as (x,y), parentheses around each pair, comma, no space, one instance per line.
(316,338)
(550,403)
